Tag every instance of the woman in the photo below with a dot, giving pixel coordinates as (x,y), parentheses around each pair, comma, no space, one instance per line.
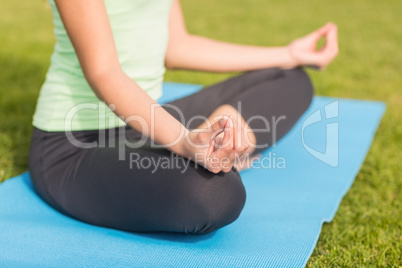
(100,137)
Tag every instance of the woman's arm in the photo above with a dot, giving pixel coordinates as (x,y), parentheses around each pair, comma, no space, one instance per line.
(187,51)
(88,27)
(89,30)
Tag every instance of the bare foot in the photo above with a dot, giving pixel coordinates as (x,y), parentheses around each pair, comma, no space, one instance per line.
(245,162)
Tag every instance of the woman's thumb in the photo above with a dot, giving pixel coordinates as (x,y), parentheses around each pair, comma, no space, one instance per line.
(219,126)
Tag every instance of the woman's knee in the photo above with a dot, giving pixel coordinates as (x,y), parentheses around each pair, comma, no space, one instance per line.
(222,200)
(296,80)
(302,86)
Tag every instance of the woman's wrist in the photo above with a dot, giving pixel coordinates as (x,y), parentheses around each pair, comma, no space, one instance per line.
(181,146)
(289,60)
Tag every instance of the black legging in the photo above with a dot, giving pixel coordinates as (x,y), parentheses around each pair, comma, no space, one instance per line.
(96,186)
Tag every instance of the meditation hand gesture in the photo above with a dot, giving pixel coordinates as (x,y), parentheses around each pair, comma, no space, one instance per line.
(304,50)
(218,146)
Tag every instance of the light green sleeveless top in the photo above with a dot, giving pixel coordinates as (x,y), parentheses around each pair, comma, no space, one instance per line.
(140,30)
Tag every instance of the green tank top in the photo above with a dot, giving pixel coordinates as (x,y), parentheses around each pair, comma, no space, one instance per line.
(140,31)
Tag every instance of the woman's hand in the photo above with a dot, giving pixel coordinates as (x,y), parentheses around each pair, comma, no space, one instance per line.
(218,146)
(304,50)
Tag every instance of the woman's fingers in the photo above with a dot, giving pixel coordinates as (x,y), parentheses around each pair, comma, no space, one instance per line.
(330,49)
(211,148)
(332,41)
(236,137)
(304,50)
(240,142)
(320,32)
(225,146)
(241,138)
(221,159)
(218,127)
(222,142)
(229,146)
(227,141)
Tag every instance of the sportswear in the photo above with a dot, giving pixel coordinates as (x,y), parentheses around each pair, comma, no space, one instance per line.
(140,31)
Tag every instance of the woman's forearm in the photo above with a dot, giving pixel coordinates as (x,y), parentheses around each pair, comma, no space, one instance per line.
(139,110)
(200,53)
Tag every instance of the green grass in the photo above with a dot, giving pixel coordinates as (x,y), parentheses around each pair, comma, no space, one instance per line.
(366,230)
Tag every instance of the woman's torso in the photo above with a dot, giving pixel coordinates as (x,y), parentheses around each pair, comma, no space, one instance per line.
(140,31)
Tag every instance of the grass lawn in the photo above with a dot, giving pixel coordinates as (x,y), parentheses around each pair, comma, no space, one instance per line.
(366,230)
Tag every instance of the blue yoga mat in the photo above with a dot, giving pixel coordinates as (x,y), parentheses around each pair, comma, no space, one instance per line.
(289,196)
